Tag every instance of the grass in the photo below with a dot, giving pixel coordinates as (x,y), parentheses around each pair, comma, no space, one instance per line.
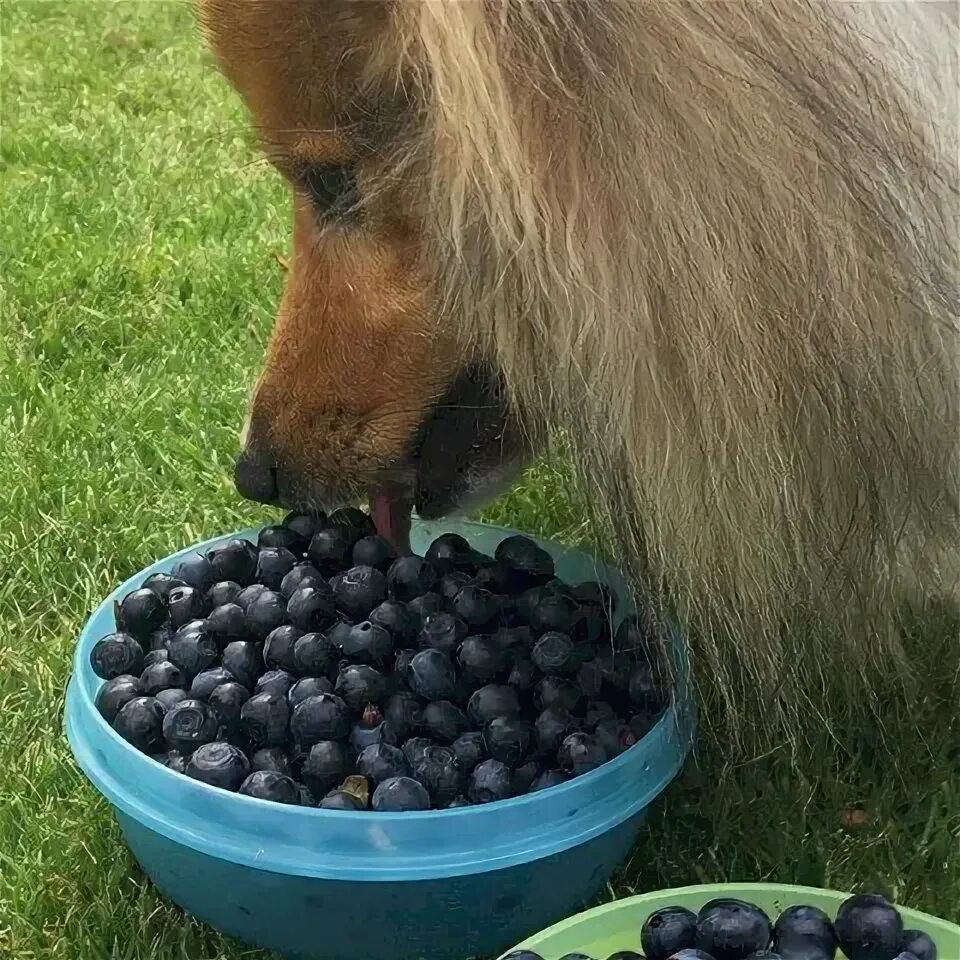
(139,236)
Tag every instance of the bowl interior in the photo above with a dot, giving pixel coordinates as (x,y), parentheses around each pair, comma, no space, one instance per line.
(616,926)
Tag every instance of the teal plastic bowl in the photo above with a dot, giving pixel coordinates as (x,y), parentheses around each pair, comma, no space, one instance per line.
(331,885)
(616,926)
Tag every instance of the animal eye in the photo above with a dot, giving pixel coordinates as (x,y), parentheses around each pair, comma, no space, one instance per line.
(333,191)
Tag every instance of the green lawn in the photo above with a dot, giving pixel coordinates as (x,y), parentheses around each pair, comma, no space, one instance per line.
(139,237)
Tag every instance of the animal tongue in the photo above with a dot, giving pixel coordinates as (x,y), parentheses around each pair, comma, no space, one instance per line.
(391,516)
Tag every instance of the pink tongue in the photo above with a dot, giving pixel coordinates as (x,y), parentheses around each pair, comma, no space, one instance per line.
(391,516)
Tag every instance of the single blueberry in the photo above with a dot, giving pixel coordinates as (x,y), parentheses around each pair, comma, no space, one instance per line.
(161,584)
(340,800)
(359,684)
(225,591)
(353,518)
(170,697)
(266,612)
(523,955)
(314,655)
(438,770)
(410,577)
(553,726)
(115,693)
(482,657)
(414,749)
(325,767)
(190,724)
(273,564)
(248,594)
(305,523)
(304,574)
(220,765)
(308,687)
(161,676)
(227,701)
(692,954)
(527,564)
(445,549)
(227,623)
(554,654)
(279,537)
(205,682)
(581,752)
(478,608)
(668,930)
(186,604)
(274,759)
(450,585)
(548,779)
(323,717)
(397,618)
(444,721)
(244,659)
(193,649)
(508,740)
(234,560)
(269,785)
(803,929)
(492,701)
(490,781)
(366,642)
(494,576)
(140,722)
(730,929)
(330,548)
(156,656)
(421,607)
(868,927)
(374,551)
(403,710)
(432,675)
(264,718)
(400,795)
(442,631)
(558,692)
(279,648)
(469,749)
(141,612)
(554,612)
(359,590)
(312,608)
(275,681)
(116,654)
(197,571)
(380,762)
(919,944)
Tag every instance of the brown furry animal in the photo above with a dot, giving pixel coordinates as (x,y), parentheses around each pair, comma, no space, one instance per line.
(714,244)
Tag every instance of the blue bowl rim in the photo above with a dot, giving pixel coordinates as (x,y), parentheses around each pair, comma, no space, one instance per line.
(675,726)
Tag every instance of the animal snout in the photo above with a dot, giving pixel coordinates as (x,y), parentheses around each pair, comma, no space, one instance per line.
(256,477)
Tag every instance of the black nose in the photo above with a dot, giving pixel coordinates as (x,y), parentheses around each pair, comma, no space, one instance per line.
(255,479)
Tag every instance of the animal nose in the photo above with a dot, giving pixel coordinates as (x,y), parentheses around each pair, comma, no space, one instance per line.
(255,479)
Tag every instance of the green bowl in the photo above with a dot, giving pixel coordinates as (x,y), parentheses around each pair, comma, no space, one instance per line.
(616,926)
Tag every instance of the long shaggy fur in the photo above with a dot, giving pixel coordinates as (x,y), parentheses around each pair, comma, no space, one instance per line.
(716,245)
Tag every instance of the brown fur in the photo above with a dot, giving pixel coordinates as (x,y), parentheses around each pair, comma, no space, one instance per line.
(715,244)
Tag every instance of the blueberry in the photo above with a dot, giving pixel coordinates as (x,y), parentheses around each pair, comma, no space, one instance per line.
(227,623)
(469,749)
(404,712)
(478,608)
(279,648)
(161,676)
(374,551)
(730,929)
(868,927)
(220,765)
(140,722)
(919,944)
(548,779)
(234,560)
(590,678)
(330,549)
(415,748)
(170,697)
(197,571)
(575,956)
(264,718)
(205,682)
(581,752)
(554,654)
(193,649)
(398,620)
(442,631)
(450,585)
(269,785)
(523,955)
(401,665)
(308,687)
(903,955)
(432,675)
(494,576)
(553,726)
(380,762)
(116,654)
(668,930)
(352,517)
(248,594)
(489,781)
(323,717)
(314,655)
(399,795)
(614,737)
(482,657)
(141,612)
(305,523)
(508,740)
(266,612)
(438,770)
(115,693)
(275,681)
(445,549)
(156,656)
(492,701)
(513,547)
(421,607)
(186,604)
(226,591)
(311,608)
(273,564)
(692,954)
(304,574)
(804,930)
(522,777)
(368,643)
(410,577)
(359,684)
(444,721)
(279,537)
(340,800)
(524,676)
(270,758)
(227,702)
(557,692)
(598,711)
(161,584)
(244,659)
(158,639)
(554,612)
(325,767)
(643,687)
(528,565)
(190,724)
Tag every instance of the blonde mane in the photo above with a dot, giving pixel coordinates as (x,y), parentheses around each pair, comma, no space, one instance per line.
(716,245)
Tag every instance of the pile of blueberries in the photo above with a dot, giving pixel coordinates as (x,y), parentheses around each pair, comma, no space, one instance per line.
(318,667)
(867,927)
